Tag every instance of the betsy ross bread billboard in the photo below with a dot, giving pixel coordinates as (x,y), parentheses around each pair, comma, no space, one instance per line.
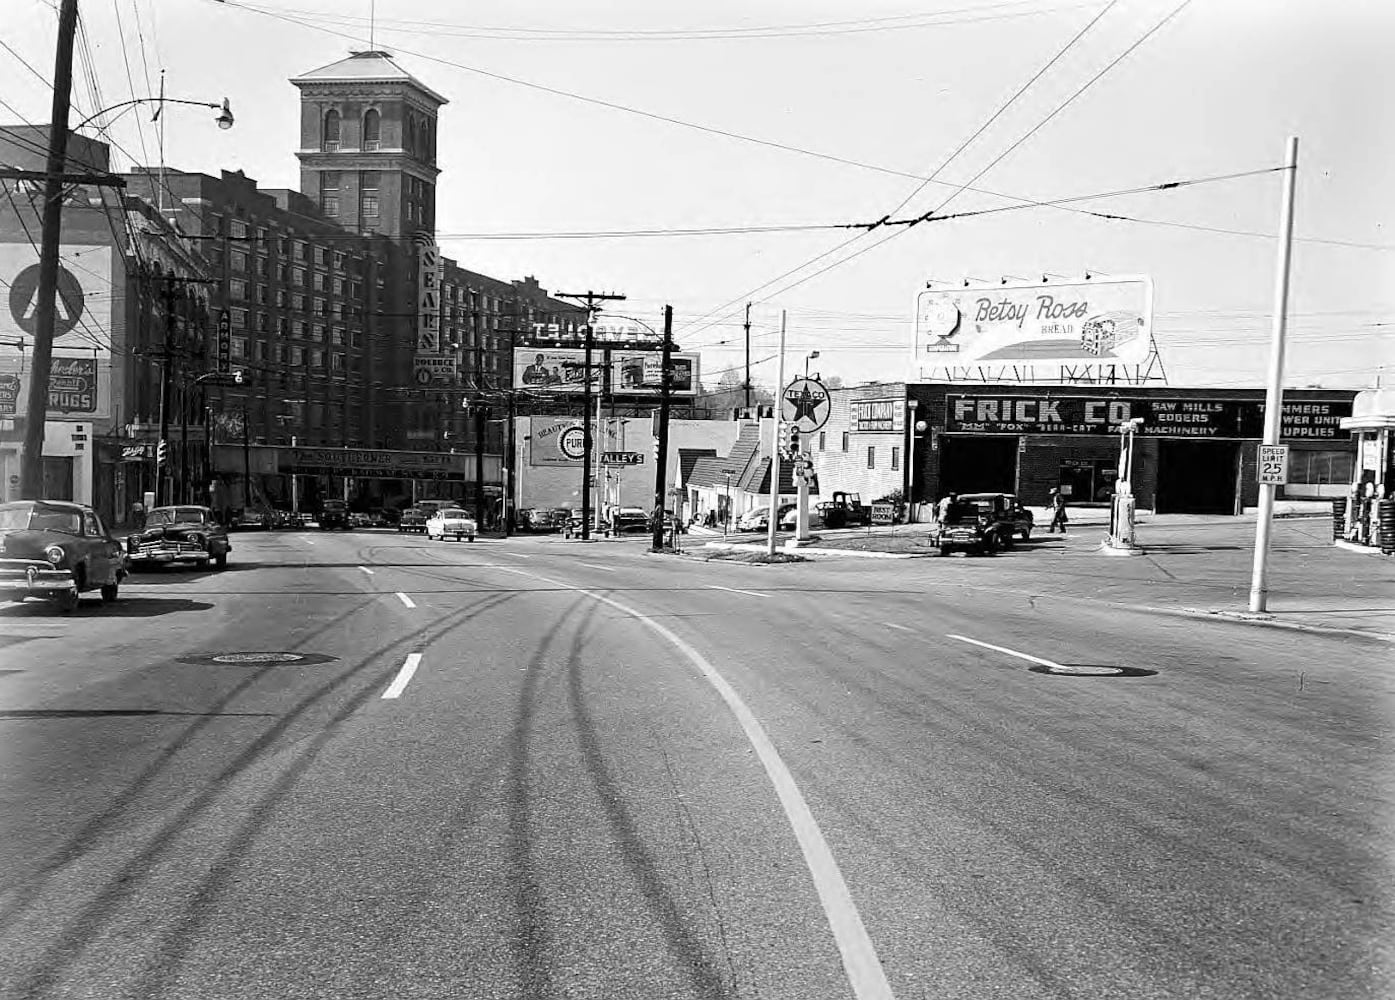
(1105,321)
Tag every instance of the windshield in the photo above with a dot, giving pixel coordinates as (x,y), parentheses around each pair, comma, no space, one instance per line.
(39,518)
(176,515)
(454,514)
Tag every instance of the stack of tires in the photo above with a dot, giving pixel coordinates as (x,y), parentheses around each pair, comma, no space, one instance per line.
(1385,519)
(1339,518)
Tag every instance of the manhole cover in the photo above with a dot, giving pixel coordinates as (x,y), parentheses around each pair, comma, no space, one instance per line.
(259,659)
(1090,670)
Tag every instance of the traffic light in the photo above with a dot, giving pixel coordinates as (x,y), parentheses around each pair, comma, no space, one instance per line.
(789,443)
(161,453)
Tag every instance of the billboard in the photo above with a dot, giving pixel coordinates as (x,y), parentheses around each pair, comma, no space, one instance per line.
(878,416)
(1103,321)
(633,373)
(84,318)
(562,440)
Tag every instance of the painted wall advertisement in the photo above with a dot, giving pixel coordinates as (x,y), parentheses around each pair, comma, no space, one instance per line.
(556,441)
(1189,418)
(878,416)
(431,364)
(635,373)
(1101,321)
(79,381)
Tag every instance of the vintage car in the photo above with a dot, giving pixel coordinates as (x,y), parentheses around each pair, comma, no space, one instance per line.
(1013,511)
(980,523)
(334,515)
(184,534)
(451,522)
(253,518)
(625,520)
(57,550)
(758,518)
(413,519)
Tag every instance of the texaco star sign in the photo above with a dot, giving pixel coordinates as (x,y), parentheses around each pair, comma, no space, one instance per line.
(805,404)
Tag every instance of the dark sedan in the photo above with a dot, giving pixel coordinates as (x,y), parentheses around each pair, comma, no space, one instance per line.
(187,534)
(57,550)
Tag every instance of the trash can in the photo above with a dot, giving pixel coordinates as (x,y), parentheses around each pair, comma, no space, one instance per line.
(1339,517)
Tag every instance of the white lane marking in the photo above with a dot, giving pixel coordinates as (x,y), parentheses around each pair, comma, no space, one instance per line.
(366,570)
(733,590)
(405,599)
(1010,652)
(307,541)
(603,569)
(860,961)
(399,683)
(901,628)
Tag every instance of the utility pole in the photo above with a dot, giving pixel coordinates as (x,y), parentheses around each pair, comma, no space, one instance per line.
(774,524)
(1274,394)
(748,355)
(661,456)
(36,407)
(591,299)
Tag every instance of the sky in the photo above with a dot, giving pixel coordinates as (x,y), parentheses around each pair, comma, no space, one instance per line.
(585,117)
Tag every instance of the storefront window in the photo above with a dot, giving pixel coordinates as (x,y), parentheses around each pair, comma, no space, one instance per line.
(1320,468)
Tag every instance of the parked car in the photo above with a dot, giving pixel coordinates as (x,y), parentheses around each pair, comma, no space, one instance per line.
(413,519)
(182,534)
(976,525)
(758,519)
(284,519)
(334,516)
(1011,510)
(256,518)
(57,550)
(451,522)
(627,520)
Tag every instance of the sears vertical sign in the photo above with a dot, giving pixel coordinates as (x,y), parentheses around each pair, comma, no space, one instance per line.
(430,364)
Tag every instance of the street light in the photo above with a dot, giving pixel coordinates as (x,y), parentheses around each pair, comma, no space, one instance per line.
(224,118)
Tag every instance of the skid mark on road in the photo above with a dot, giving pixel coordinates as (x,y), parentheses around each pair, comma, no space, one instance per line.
(860,962)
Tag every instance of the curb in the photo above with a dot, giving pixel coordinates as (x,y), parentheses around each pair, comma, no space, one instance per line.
(812,551)
(1249,618)
(1363,550)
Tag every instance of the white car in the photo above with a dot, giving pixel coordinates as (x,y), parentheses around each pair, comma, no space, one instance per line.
(758,518)
(451,522)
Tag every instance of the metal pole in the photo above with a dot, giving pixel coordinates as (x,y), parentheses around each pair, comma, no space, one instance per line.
(246,459)
(586,431)
(1274,394)
(774,524)
(36,406)
(748,355)
(162,465)
(661,456)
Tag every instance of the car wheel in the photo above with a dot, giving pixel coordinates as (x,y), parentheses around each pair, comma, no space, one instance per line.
(1026,533)
(67,601)
(472,538)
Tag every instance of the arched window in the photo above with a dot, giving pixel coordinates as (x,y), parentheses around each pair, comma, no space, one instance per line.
(372,130)
(331,134)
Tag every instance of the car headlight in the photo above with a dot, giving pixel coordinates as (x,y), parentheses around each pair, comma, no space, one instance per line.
(55,555)
(197,539)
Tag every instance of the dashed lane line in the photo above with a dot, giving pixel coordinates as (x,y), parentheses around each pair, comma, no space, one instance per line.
(366,570)
(405,599)
(734,590)
(399,683)
(899,628)
(603,569)
(1009,652)
(860,962)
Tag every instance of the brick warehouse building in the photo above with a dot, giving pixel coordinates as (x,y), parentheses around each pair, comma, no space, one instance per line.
(1195,452)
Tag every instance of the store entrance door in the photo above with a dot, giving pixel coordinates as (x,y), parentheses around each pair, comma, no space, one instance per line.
(978,464)
(1197,477)
(58,477)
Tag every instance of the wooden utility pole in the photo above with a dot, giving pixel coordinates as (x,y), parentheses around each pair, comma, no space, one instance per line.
(591,299)
(36,407)
(661,455)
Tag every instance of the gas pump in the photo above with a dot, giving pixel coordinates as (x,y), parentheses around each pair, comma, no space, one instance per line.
(1121,539)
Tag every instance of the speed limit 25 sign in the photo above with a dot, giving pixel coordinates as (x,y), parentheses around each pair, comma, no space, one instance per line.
(1273,464)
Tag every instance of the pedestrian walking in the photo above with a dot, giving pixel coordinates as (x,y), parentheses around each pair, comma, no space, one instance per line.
(1058,507)
(942,508)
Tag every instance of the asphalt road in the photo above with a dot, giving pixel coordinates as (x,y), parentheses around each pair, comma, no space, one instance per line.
(536,769)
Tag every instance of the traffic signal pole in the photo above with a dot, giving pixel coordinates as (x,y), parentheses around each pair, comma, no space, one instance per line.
(774,524)
(591,299)
(41,363)
(661,457)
